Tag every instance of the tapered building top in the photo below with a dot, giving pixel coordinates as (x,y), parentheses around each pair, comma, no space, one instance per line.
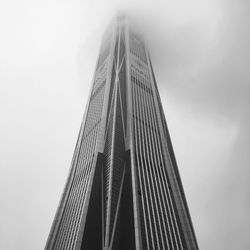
(124,189)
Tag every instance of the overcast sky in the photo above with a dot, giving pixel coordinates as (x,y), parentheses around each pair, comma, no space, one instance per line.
(201,58)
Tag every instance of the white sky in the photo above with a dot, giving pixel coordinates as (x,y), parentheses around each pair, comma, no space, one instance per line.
(201,57)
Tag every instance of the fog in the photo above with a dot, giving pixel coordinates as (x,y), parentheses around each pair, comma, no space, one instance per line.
(200,55)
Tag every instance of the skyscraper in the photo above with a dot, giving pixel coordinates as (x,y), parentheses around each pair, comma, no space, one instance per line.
(123,190)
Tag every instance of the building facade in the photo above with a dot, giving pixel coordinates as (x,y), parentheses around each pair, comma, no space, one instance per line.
(123,190)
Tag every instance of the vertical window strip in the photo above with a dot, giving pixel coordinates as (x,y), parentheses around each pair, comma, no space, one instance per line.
(142,167)
(152,161)
(83,177)
(161,182)
(154,166)
(147,160)
(167,198)
(171,209)
(164,199)
(141,199)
